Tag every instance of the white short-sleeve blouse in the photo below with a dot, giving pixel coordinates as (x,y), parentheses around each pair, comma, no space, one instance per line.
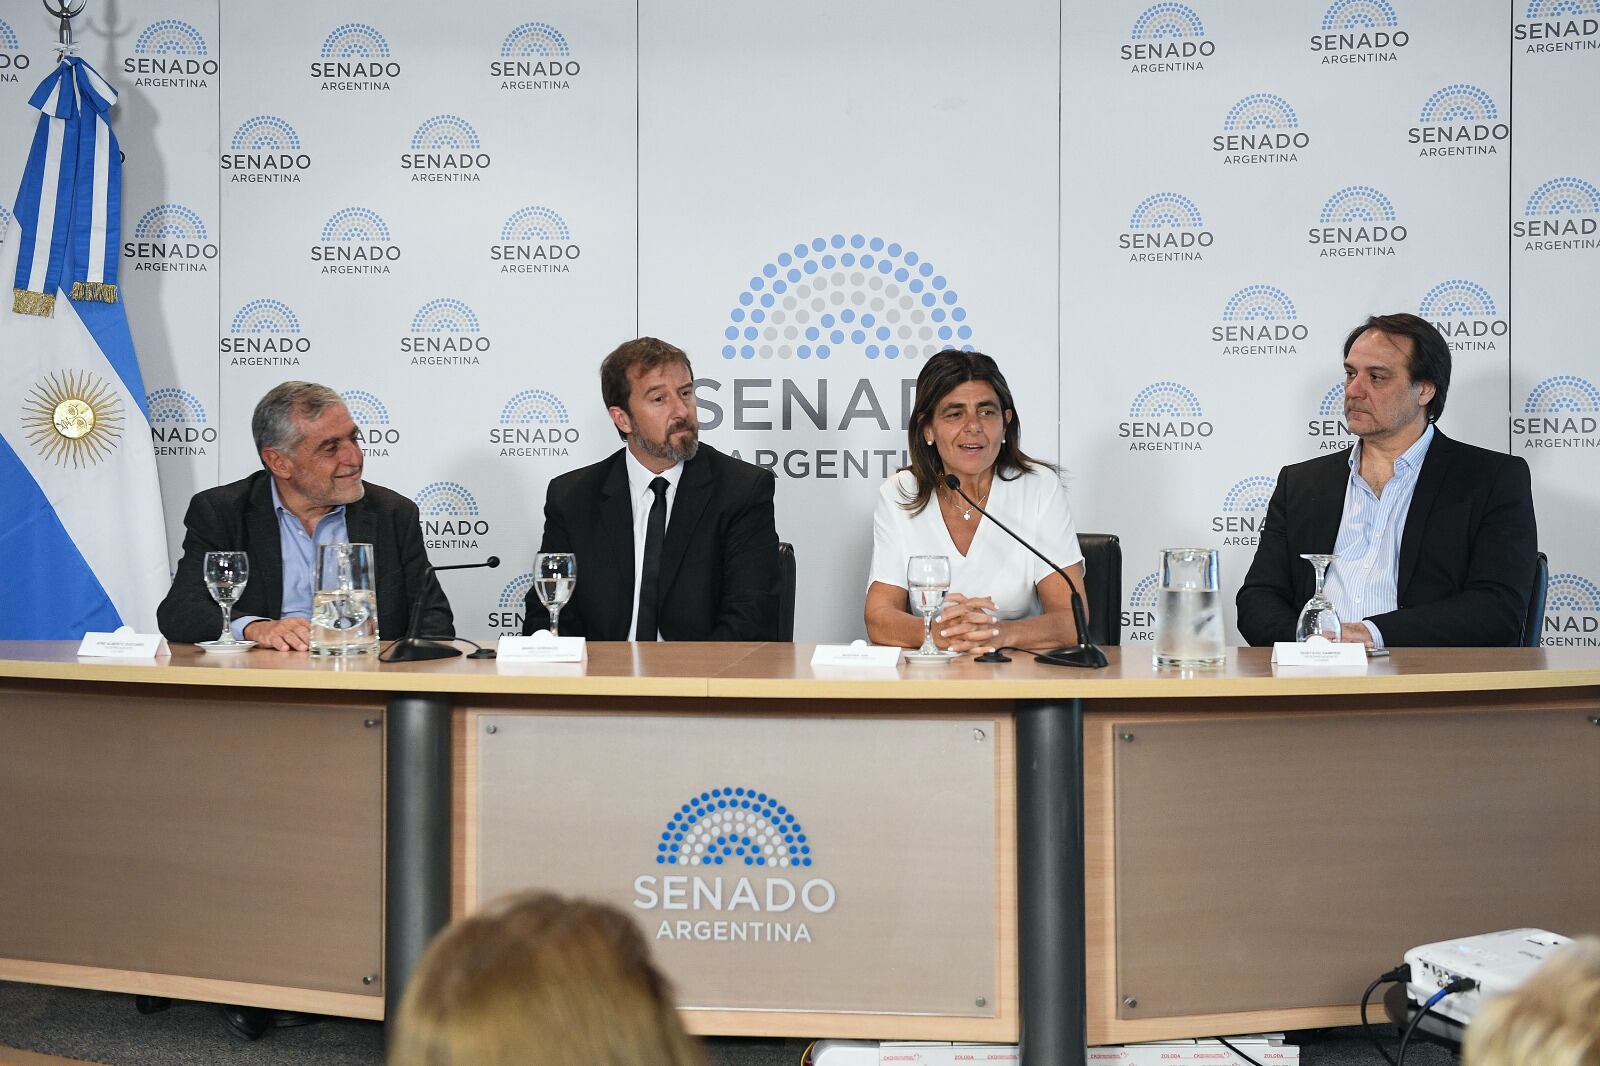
(1034,505)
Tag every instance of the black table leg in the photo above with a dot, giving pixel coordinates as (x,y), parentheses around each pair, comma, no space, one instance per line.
(417,836)
(1050,917)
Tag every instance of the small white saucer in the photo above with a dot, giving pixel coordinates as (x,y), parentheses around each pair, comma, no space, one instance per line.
(217,647)
(930,657)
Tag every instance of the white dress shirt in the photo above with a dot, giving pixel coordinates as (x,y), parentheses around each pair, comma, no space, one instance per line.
(639,480)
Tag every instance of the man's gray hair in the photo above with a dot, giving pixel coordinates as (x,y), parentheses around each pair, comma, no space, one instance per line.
(273,424)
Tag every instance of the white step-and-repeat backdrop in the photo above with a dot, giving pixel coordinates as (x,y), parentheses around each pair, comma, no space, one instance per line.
(1161,219)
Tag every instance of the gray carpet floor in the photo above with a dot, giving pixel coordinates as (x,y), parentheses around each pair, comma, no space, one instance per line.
(104,1027)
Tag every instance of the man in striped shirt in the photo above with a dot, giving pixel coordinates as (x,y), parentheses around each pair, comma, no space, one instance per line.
(1434,540)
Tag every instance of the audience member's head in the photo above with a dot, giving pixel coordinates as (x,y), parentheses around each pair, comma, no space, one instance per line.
(536,979)
(1552,1020)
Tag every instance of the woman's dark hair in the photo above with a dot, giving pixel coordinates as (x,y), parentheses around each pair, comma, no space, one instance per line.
(1430,353)
(939,376)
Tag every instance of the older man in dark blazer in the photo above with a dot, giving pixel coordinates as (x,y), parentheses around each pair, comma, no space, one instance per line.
(1436,540)
(675,540)
(310,492)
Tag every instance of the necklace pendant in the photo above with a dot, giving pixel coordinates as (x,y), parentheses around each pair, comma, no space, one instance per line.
(966,516)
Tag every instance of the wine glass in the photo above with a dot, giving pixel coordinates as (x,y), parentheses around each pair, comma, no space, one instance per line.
(555,576)
(928,579)
(1318,618)
(226,575)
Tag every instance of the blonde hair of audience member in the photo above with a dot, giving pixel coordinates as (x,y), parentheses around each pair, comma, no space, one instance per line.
(1552,1020)
(538,980)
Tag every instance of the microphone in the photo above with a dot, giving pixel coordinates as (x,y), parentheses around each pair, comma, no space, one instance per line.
(414,649)
(1085,654)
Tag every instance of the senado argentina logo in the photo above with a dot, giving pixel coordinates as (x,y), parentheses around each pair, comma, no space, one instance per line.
(535,55)
(1139,618)
(12,57)
(1560,215)
(170,238)
(1259,320)
(1261,128)
(1166,227)
(178,424)
(1244,510)
(1328,428)
(1167,38)
(534,424)
(1359,31)
(445,332)
(170,54)
(1458,120)
(506,619)
(1560,412)
(1554,27)
(355,240)
(743,830)
(445,148)
(450,517)
(1572,612)
(371,416)
(1356,221)
(265,149)
(355,58)
(1165,417)
(1464,312)
(535,240)
(837,293)
(265,333)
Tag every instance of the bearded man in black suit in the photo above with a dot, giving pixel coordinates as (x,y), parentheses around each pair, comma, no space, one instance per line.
(675,541)
(1435,540)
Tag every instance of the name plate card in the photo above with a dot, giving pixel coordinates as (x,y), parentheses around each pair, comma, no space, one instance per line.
(541,648)
(857,653)
(1319,652)
(123,644)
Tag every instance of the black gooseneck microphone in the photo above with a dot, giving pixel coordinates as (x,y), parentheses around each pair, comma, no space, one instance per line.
(1085,654)
(414,649)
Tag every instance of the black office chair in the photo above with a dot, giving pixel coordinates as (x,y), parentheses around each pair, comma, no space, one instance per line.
(1102,586)
(786,581)
(1533,621)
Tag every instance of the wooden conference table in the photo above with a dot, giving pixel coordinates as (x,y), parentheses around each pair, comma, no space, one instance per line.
(1002,852)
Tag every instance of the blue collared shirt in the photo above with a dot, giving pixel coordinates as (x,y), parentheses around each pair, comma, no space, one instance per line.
(1364,578)
(299,553)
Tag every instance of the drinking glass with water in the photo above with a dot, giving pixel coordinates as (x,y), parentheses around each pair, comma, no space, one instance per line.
(1189,609)
(226,575)
(928,579)
(555,578)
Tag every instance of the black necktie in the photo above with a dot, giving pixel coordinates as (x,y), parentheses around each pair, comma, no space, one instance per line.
(655,531)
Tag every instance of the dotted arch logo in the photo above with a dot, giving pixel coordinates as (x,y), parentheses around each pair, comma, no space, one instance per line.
(445,332)
(506,616)
(1458,120)
(265,333)
(444,315)
(534,424)
(1166,38)
(1261,128)
(178,423)
(535,39)
(264,133)
(175,406)
(1266,303)
(535,55)
(12,58)
(1166,210)
(1560,412)
(1332,400)
(445,132)
(1327,426)
(1571,612)
(1165,227)
(371,416)
(834,292)
(1540,9)
(1564,393)
(355,40)
(446,499)
(533,407)
(1249,495)
(265,316)
(1459,103)
(445,148)
(1359,15)
(1167,20)
(535,240)
(1357,203)
(1357,221)
(170,222)
(1139,615)
(1464,313)
(355,224)
(734,826)
(356,240)
(1165,399)
(8,37)
(1261,111)
(1259,320)
(170,37)
(1559,215)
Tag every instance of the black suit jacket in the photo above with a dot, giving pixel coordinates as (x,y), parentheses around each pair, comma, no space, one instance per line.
(240,517)
(719,562)
(1466,561)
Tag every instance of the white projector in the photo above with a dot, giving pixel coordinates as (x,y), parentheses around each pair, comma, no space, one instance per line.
(1498,962)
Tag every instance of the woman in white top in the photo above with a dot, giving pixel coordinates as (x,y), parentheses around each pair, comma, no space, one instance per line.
(963,422)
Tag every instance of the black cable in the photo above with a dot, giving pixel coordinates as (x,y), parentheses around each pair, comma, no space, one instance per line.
(1236,1051)
(1460,984)
(1399,973)
(389,651)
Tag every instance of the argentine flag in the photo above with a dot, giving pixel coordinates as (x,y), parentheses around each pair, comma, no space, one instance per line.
(82,538)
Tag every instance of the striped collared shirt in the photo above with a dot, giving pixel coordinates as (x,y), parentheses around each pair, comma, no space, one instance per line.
(1363,580)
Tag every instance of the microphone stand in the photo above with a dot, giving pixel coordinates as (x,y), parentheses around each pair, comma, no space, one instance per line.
(1085,655)
(414,649)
